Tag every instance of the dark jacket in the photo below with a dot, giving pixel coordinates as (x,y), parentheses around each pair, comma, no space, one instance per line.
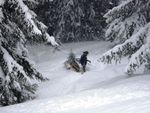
(83,59)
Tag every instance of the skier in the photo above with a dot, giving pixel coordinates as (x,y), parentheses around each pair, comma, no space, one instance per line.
(84,60)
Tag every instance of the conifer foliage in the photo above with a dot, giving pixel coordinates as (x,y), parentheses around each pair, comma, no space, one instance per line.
(18,24)
(75,20)
(129,28)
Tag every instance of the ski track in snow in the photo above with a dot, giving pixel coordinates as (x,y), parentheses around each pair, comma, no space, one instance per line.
(102,89)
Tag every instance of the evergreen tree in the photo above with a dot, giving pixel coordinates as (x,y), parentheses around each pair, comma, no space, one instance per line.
(129,27)
(18,24)
(75,20)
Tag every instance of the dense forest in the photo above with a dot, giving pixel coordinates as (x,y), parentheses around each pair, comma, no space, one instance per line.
(75,20)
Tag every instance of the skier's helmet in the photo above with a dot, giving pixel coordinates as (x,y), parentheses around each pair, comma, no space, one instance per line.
(86,52)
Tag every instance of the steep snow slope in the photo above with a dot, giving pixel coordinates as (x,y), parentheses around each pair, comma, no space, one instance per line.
(102,89)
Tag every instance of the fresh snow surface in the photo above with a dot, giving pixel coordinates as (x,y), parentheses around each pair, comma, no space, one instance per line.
(102,89)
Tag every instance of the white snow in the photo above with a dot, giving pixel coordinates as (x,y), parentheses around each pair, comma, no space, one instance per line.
(51,39)
(102,89)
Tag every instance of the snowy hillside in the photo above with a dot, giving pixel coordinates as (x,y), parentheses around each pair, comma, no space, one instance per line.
(102,89)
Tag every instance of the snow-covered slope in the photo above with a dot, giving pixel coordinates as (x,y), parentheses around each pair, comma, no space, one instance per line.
(102,89)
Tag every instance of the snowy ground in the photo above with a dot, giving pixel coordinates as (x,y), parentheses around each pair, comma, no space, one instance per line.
(102,89)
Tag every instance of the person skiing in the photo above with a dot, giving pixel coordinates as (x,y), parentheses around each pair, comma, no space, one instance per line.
(84,60)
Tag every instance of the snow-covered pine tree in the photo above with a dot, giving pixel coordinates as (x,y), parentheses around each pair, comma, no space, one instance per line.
(18,24)
(79,20)
(75,20)
(129,27)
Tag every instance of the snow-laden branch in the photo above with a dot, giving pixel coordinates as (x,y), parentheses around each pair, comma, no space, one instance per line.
(139,60)
(132,48)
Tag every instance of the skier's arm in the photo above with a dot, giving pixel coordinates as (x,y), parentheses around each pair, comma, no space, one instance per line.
(89,61)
